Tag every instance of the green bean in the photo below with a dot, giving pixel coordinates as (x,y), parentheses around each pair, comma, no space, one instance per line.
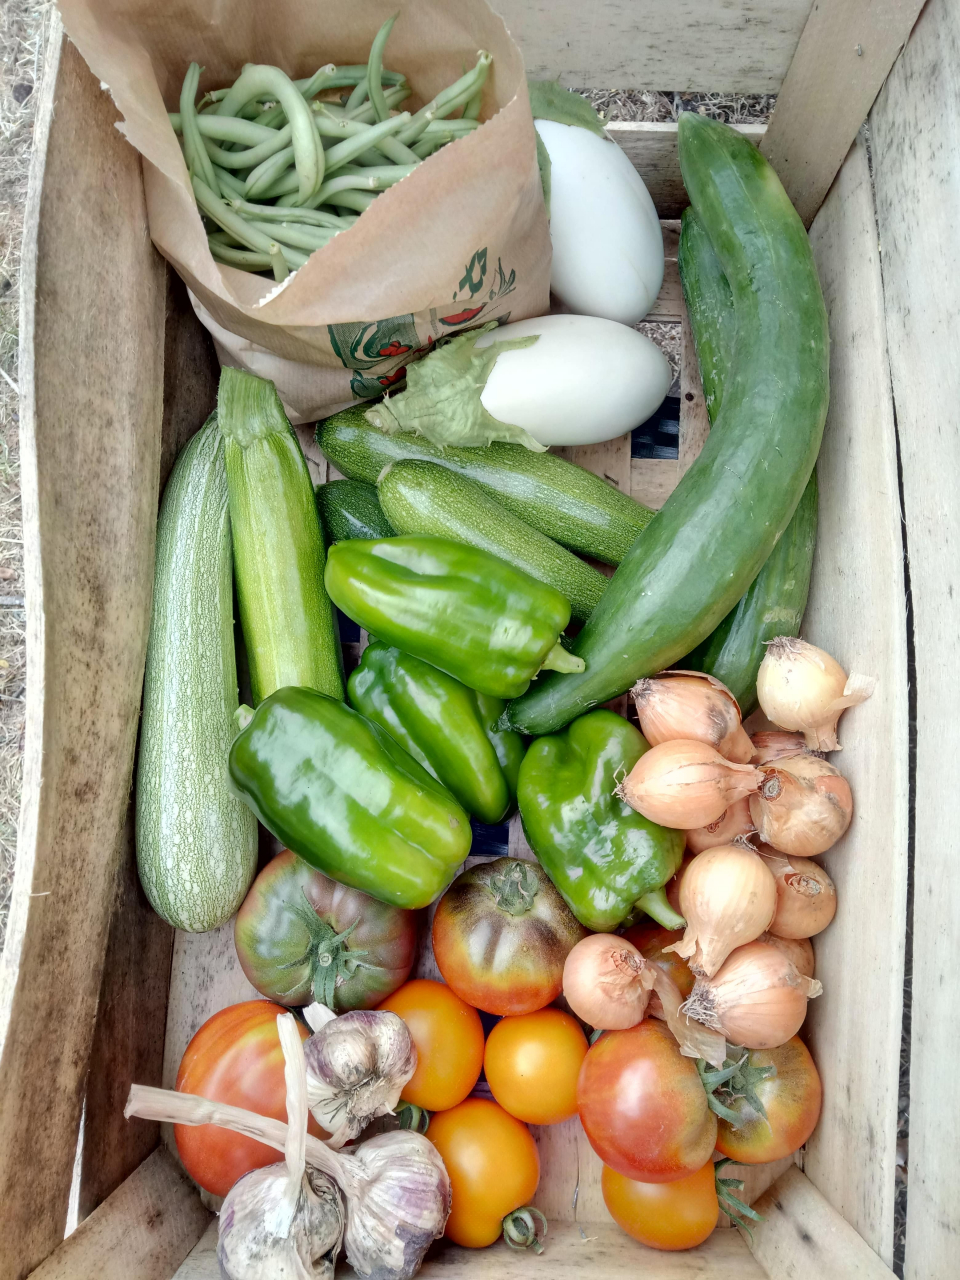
(262,178)
(211,204)
(374,179)
(392,98)
(278,261)
(224,238)
(373,135)
(375,69)
(229,182)
(359,200)
(455,95)
(359,94)
(250,157)
(246,259)
(274,213)
(472,110)
(227,129)
(457,128)
(198,162)
(299,237)
(307,151)
(343,77)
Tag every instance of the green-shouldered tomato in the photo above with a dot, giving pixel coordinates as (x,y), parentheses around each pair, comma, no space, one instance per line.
(791,1098)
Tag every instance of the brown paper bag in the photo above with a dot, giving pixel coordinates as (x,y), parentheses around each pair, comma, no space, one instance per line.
(462,240)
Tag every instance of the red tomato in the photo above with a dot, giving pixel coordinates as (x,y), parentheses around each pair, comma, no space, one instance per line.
(642,1105)
(448,1034)
(650,939)
(663,1215)
(791,1099)
(532,1062)
(493,1165)
(501,934)
(234,1058)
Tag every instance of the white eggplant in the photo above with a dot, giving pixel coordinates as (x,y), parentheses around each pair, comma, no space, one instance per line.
(554,380)
(607,243)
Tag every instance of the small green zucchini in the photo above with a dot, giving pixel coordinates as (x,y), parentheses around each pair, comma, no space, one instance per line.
(196,842)
(278,548)
(555,497)
(420,497)
(351,509)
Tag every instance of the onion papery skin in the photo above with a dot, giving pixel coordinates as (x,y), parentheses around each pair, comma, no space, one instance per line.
(694,706)
(803,807)
(728,898)
(607,982)
(799,951)
(771,745)
(686,784)
(806,896)
(734,821)
(802,688)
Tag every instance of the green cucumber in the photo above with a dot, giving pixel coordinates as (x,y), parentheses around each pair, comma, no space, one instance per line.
(774,603)
(196,842)
(717,528)
(555,497)
(278,550)
(420,497)
(351,509)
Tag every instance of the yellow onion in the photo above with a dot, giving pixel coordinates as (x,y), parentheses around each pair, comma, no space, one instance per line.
(801,687)
(803,806)
(607,982)
(757,999)
(686,784)
(728,897)
(806,896)
(799,951)
(734,821)
(771,745)
(691,705)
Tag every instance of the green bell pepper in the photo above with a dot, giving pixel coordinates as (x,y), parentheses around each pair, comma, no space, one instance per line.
(459,608)
(445,726)
(606,859)
(338,791)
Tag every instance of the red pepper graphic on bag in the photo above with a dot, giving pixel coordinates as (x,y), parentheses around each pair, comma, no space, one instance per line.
(463,317)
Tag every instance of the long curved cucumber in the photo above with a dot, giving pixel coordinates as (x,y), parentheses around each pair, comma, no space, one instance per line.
(559,499)
(278,548)
(709,307)
(196,842)
(420,497)
(351,509)
(710,540)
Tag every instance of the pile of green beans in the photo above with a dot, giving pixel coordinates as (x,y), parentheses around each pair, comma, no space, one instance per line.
(278,170)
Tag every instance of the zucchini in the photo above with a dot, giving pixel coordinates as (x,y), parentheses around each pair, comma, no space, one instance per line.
(351,509)
(555,497)
(420,497)
(196,842)
(774,603)
(710,540)
(279,556)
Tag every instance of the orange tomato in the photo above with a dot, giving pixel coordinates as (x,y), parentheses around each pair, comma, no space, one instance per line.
(650,939)
(791,1098)
(663,1215)
(493,1165)
(234,1058)
(532,1062)
(448,1034)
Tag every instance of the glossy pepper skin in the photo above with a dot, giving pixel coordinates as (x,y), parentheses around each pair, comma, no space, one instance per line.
(477,618)
(606,859)
(338,791)
(445,726)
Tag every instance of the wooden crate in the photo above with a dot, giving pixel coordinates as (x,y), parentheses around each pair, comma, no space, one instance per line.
(96,992)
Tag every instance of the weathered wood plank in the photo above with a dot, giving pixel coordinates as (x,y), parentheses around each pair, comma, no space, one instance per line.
(843,57)
(694,420)
(802,1237)
(652,480)
(743,45)
(653,150)
(91,379)
(857,612)
(142,1232)
(914,129)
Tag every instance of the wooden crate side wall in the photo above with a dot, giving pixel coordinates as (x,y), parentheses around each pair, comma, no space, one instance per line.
(916,140)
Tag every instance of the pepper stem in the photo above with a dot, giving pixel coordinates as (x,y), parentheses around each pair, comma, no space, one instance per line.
(656,906)
(525,1229)
(561,659)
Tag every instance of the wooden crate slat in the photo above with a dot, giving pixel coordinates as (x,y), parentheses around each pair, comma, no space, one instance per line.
(91,377)
(142,1232)
(856,612)
(742,45)
(844,56)
(802,1236)
(917,176)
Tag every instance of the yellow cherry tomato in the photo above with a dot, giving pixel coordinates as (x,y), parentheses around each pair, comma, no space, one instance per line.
(493,1164)
(663,1215)
(448,1034)
(532,1062)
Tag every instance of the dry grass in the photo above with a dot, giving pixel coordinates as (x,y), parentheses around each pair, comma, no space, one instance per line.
(649,105)
(21,26)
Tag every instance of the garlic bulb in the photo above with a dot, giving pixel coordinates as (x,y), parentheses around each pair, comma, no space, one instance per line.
(283,1221)
(806,896)
(770,745)
(799,951)
(728,897)
(734,821)
(801,687)
(757,999)
(691,705)
(357,1065)
(686,784)
(803,807)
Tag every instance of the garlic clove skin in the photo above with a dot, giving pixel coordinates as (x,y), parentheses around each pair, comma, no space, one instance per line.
(686,784)
(801,687)
(691,705)
(734,821)
(248,1249)
(803,806)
